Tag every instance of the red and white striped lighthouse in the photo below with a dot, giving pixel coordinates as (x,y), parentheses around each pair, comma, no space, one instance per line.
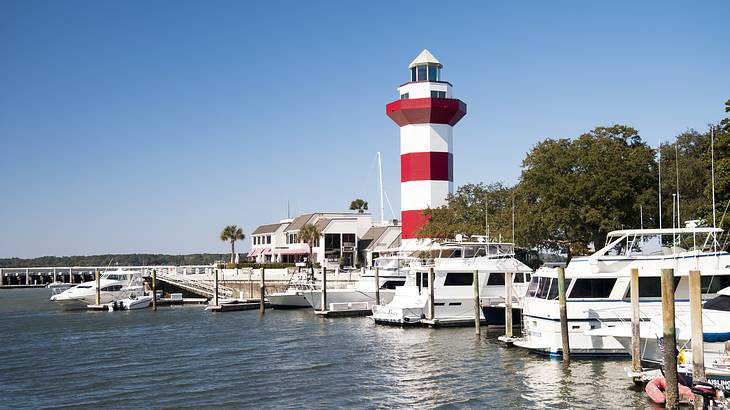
(426,114)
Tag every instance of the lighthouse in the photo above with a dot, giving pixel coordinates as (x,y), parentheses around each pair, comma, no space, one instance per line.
(426,113)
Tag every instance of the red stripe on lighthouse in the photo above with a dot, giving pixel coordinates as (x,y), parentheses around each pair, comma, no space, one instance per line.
(412,223)
(426,111)
(426,166)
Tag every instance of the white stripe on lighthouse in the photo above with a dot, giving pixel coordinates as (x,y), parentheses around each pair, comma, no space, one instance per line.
(426,138)
(423,194)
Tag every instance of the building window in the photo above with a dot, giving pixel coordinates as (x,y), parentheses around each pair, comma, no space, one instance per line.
(348,240)
(404,96)
(332,246)
(268,239)
(291,238)
(438,94)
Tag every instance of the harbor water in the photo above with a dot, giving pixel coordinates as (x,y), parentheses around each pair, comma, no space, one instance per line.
(185,357)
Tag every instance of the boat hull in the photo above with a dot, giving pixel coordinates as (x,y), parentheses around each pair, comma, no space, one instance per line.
(346,296)
(288,301)
(495,316)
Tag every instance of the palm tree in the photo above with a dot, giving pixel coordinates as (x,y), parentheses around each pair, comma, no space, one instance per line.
(359,205)
(232,233)
(309,234)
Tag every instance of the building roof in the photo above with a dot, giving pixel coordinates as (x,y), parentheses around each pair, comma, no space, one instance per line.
(374,233)
(396,243)
(425,58)
(299,222)
(270,228)
(322,223)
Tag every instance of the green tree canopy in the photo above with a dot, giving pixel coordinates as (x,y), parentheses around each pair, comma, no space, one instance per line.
(359,205)
(573,192)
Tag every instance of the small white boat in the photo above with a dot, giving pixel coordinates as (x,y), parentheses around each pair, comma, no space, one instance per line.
(292,298)
(133,302)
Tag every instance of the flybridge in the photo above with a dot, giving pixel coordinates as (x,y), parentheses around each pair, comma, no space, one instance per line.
(659,242)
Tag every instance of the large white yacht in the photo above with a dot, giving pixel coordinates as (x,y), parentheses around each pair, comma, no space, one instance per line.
(391,273)
(597,287)
(113,285)
(454,269)
(715,331)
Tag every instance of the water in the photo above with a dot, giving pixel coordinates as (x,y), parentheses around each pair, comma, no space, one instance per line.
(184,357)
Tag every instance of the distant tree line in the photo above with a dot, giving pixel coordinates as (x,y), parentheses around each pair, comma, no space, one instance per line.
(573,191)
(137,259)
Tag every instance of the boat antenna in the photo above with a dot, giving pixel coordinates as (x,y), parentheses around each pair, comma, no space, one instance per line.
(380,179)
(712,167)
(676,166)
(660,184)
(641,216)
(486,216)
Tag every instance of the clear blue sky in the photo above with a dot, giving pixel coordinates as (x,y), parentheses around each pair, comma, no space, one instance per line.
(137,126)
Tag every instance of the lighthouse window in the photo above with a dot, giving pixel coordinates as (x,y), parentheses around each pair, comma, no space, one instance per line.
(404,96)
(433,73)
(438,94)
(413,74)
(422,73)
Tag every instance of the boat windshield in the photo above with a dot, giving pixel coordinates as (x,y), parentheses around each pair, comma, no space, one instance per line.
(721,302)
(476,250)
(117,276)
(392,263)
(659,244)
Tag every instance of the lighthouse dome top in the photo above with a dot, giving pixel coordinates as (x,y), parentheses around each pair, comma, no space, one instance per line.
(425,58)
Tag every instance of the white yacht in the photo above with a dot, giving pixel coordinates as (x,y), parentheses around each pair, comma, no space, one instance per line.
(453,285)
(715,331)
(597,287)
(293,297)
(391,273)
(114,285)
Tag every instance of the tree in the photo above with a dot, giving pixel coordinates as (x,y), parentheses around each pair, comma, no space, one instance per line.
(465,213)
(309,234)
(722,172)
(573,192)
(359,205)
(232,233)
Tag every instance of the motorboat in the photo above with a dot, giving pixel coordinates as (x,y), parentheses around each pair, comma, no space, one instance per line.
(453,286)
(113,285)
(598,287)
(133,302)
(294,295)
(362,295)
(715,331)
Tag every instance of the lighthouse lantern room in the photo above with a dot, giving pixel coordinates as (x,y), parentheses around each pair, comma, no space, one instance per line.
(426,113)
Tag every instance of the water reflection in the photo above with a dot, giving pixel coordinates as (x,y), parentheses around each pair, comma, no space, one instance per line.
(185,357)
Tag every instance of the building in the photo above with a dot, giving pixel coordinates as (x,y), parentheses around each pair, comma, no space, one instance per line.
(426,113)
(377,241)
(338,245)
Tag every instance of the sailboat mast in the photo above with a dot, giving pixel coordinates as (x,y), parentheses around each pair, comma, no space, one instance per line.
(660,184)
(380,180)
(712,167)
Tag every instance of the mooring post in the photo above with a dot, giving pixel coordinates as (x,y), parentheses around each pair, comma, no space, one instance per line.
(635,324)
(323,308)
(262,292)
(377,286)
(670,339)
(27,276)
(698,347)
(54,275)
(477,305)
(431,307)
(154,289)
(215,287)
(563,315)
(508,304)
(97,277)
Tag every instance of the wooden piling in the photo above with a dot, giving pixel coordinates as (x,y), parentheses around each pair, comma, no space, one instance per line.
(635,323)
(563,315)
(154,289)
(27,276)
(431,308)
(98,287)
(262,292)
(508,276)
(323,306)
(54,275)
(698,347)
(215,287)
(377,286)
(477,305)
(670,339)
